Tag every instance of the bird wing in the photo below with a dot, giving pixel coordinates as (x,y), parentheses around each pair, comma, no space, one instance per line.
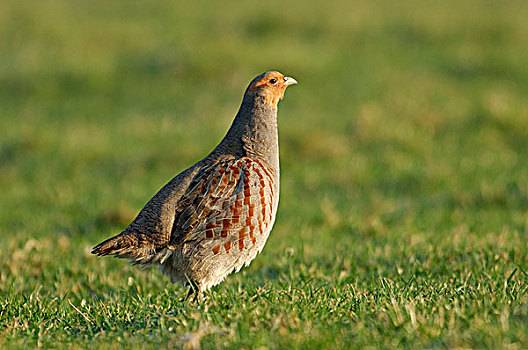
(225,202)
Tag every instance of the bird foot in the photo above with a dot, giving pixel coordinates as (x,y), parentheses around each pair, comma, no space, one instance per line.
(194,289)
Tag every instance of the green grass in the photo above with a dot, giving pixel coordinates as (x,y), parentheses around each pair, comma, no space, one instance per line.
(403,219)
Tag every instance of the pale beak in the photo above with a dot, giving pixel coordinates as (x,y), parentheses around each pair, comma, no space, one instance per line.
(289,81)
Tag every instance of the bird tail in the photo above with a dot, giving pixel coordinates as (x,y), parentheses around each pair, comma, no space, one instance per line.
(128,246)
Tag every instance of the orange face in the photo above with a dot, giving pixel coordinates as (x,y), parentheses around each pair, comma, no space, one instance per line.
(271,85)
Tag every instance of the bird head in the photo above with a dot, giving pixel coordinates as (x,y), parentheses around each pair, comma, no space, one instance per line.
(270,86)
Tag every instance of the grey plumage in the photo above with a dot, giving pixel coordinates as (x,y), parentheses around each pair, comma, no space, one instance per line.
(216,216)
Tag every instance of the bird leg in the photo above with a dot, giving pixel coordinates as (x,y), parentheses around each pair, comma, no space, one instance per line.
(197,297)
(191,291)
(194,288)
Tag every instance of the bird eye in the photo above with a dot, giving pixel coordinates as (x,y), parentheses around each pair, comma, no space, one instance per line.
(273,81)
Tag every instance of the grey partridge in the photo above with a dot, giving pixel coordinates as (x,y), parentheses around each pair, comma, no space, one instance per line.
(216,216)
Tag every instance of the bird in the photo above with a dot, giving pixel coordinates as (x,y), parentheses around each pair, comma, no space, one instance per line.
(214,217)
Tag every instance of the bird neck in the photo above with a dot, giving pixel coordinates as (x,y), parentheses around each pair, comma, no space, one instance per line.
(254,130)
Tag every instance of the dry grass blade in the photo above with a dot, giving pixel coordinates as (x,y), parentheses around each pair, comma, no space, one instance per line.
(80,312)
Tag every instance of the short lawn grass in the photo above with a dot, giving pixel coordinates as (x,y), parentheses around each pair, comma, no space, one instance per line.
(403,218)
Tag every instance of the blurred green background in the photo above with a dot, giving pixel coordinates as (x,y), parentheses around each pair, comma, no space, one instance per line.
(403,163)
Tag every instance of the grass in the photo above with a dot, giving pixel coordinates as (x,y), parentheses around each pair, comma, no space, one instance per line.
(403,219)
